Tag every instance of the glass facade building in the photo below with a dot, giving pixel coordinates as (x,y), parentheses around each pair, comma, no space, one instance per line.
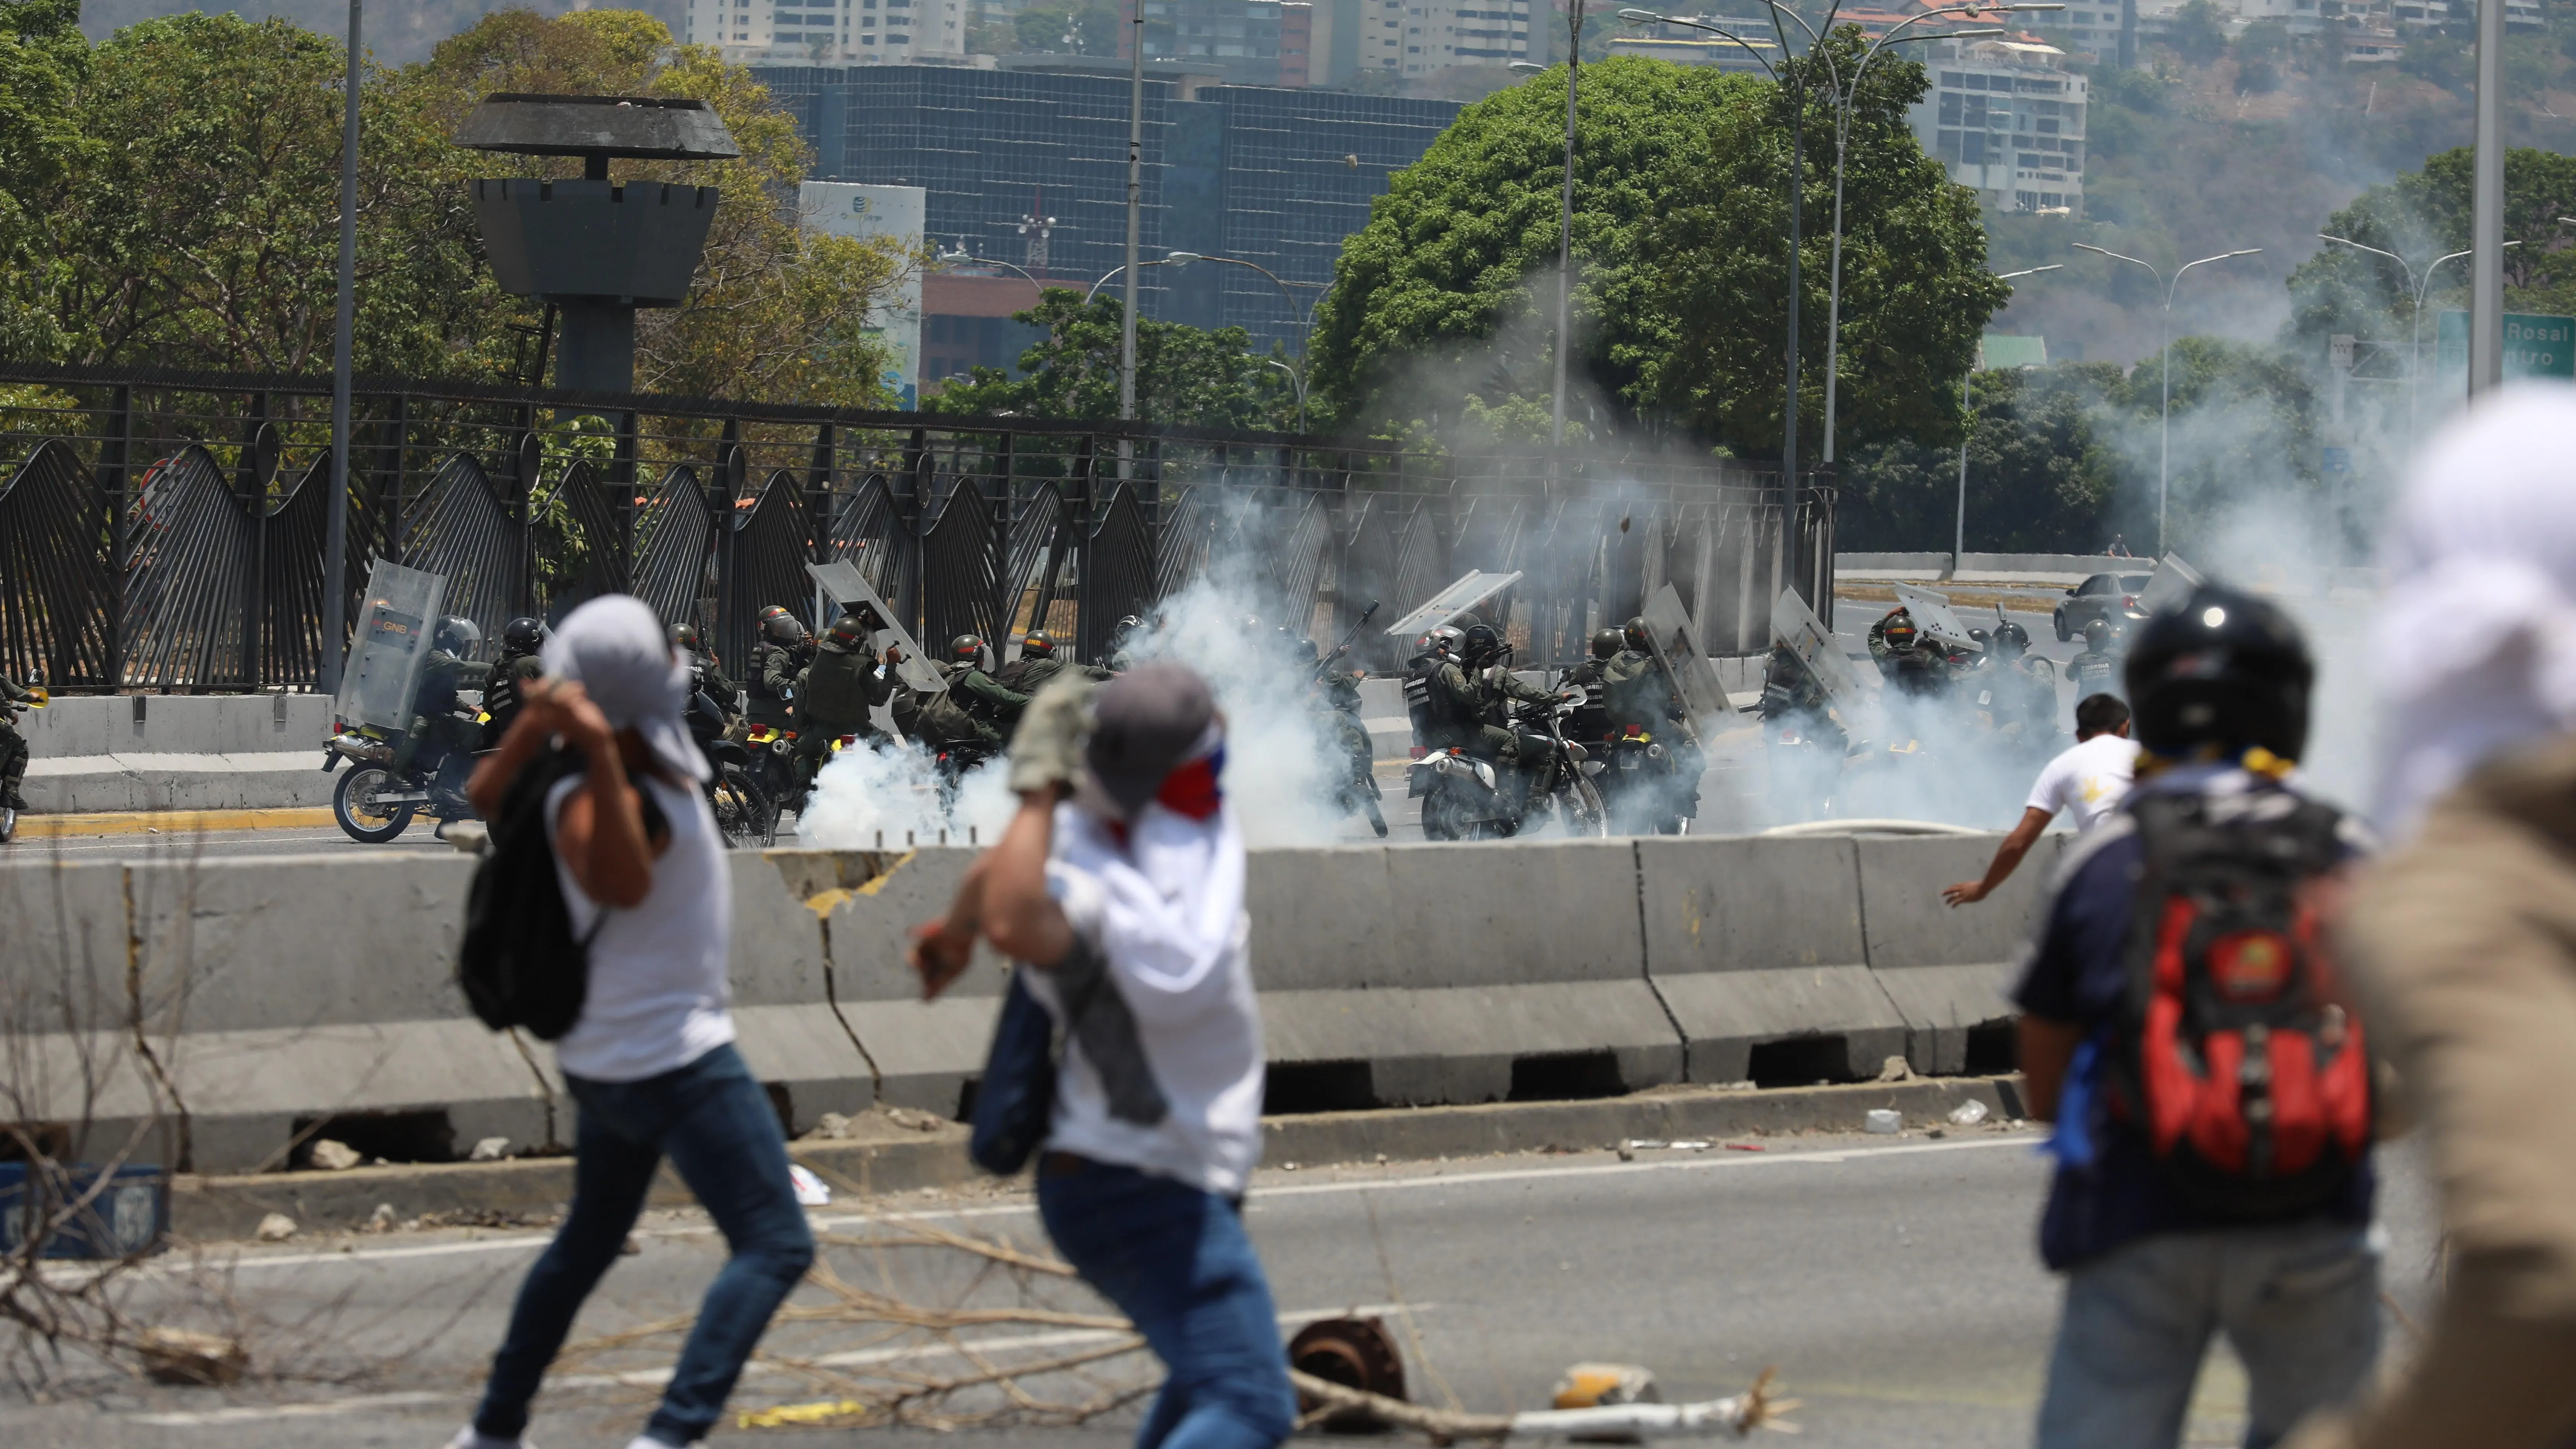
(1272,176)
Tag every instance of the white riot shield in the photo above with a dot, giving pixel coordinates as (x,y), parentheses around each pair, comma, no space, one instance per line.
(2169,585)
(1675,642)
(1932,617)
(841,580)
(1475,588)
(397,623)
(1796,627)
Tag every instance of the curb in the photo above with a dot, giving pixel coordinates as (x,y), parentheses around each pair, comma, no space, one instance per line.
(211,1209)
(171,822)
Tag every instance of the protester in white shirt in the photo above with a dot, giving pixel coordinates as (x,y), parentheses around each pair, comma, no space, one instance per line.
(2091,780)
(1120,887)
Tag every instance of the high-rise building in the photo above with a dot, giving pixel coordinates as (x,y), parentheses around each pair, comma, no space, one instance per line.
(829,32)
(2007,118)
(1240,37)
(1417,37)
(1029,168)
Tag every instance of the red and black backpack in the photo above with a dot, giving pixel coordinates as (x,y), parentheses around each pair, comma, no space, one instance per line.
(2242,1062)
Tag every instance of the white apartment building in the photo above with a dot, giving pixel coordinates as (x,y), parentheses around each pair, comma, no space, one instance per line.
(1417,37)
(2006,117)
(829,32)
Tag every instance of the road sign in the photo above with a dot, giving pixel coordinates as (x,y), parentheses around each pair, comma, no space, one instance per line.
(2534,346)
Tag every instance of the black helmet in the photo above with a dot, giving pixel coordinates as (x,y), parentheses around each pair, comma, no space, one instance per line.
(2012,641)
(849,632)
(684,635)
(967,649)
(1606,643)
(780,626)
(522,635)
(2224,672)
(1638,637)
(1899,630)
(457,634)
(1481,644)
(1304,651)
(2097,632)
(1039,645)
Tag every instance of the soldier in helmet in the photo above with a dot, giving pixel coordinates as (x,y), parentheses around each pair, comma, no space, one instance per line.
(13,745)
(1123,639)
(1906,657)
(507,686)
(2097,669)
(2022,686)
(1591,719)
(1334,696)
(1642,693)
(1041,659)
(1480,694)
(780,652)
(988,702)
(835,693)
(703,670)
(436,727)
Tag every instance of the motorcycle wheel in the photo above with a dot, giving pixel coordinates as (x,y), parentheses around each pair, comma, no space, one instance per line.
(1584,816)
(353,806)
(743,813)
(1436,821)
(8,825)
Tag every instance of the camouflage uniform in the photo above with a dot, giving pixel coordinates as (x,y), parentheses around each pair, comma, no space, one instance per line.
(833,698)
(1641,694)
(503,692)
(2097,671)
(13,745)
(772,684)
(434,718)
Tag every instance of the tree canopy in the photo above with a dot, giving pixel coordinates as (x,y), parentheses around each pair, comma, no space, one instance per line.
(2421,216)
(1443,305)
(169,197)
(1184,374)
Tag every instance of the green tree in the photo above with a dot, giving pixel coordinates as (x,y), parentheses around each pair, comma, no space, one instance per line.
(2421,216)
(2041,477)
(42,60)
(2199,32)
(1186,375)
(1680,233)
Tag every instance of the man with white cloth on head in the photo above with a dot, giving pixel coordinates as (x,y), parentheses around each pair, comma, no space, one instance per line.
(1120,883)
(2463,942)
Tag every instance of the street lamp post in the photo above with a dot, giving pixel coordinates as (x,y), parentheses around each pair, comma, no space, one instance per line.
(2422,287)
(1135,224)
(2164,362)
(1298,380)
(335,538)
(1565,219)
(961,257)
(1959,540)
(1305,310)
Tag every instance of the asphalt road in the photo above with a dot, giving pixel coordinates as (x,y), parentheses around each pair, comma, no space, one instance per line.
(1891,1281)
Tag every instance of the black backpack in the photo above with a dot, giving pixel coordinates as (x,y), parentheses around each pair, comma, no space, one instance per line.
(519,963)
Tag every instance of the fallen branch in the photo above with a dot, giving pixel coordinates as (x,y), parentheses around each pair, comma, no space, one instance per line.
(1732,1418)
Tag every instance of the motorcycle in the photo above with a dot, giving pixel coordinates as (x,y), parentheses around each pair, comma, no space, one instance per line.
(953,763)
(1468,797)
(1643,785)
(374,803)
(746,813)
(38,698)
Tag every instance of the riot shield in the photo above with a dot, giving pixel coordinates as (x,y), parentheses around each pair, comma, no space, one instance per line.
(1675,643)
(2169,585)
(1796,627)
(397,623)
(1468,592)
(1932,616)
(841,580)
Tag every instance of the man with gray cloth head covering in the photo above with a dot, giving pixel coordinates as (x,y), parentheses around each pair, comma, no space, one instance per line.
(650,1060)
(1121,885)
(2464,940)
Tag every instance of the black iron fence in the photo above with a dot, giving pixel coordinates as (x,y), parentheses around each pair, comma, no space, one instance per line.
(165,531)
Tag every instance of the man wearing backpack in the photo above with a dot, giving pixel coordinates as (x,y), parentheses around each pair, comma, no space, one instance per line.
(2184,1029)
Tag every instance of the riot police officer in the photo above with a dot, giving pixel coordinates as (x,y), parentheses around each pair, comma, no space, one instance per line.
(782,651)
(1123,639)
(435,724)
(2097,669)
(1482,691)
(2023,686)
(506,689)
(1336,698)
(976,692)
(1591,719)
(835,693)
(13,745)
(1041,659)
(703,669)
(1641,693)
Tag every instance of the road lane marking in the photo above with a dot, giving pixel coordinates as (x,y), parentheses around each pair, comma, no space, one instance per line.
(895,1216)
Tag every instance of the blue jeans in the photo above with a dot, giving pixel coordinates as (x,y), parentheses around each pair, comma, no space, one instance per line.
(1175,1260)
(715,1124)
(2298,1303)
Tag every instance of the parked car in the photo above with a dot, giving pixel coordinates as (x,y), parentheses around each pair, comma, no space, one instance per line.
(2112,597)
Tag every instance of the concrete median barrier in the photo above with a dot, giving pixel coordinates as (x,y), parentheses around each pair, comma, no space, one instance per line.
(1396,975)
(1758,949)
(924,1054)
(1947,971)
(784,1021)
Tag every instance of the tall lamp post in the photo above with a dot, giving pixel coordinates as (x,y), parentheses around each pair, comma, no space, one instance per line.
(335,538)
(2164,363)
(1565,212)
(1959,541)
(2421,285)
(1135,224)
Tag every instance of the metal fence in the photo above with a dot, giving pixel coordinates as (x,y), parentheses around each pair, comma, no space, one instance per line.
(165,532)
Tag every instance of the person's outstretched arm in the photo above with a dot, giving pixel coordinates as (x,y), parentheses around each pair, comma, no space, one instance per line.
(2008,857)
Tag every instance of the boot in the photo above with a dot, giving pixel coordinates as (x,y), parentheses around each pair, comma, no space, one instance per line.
(1376,817)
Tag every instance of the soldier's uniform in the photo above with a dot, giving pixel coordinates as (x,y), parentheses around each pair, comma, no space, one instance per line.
(503,692)
(771,684)
(833,698)
(1641,694)
(13,745)
(1337,699)
(434,718)
(1029,673)
(940,719)
(2096,671)
(1591,719)
(991,705)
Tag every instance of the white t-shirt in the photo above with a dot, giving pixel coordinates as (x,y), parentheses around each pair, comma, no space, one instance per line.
(658,995)
(1164,916)
(2090,779)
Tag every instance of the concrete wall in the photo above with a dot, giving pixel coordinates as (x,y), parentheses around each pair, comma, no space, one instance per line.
(2053,567)
(213,724)
(238,1007)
